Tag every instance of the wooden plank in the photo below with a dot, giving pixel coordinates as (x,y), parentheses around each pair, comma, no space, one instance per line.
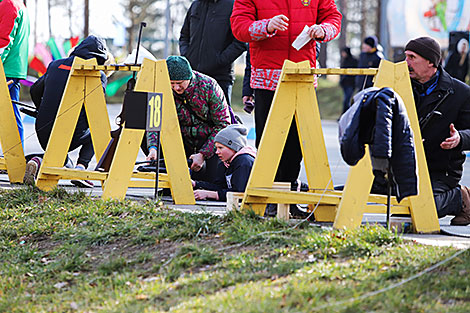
(154,78)
(69,173)
(423,207)
(9,136)
(272,141)
(148,184)
(64,125)
(123,164)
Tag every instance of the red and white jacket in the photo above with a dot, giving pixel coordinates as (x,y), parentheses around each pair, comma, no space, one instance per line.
(268,51)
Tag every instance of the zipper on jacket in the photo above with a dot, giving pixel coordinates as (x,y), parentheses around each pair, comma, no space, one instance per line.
(424,122)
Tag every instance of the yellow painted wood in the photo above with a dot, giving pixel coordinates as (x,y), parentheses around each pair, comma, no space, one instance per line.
(310,131)
(273,140)
(9,136)
(97,113)
(359,181)
(423,208)
(344,71)
(69,173)
(282,211)
(355,194)
(324,213)
(147,180)
(116,67)
(120,172)
(294,98)
(84,87)
(171,140)
(148,184)
(153,77)
(64,125)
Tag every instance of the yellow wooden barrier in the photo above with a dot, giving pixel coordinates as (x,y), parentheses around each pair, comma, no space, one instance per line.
(357,188)
(13,155)
(296,97)
(84,89)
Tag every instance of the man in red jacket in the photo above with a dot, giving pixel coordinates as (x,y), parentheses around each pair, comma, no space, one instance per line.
(270,27)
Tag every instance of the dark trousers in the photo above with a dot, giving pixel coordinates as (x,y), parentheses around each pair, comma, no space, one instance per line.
(348,92)
(226,86)
(448,199)
(289,166)
(81,138)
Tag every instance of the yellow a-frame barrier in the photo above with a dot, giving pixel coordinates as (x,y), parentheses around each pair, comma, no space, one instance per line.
(421,207)
(295,97)
(84,89)
(13,155)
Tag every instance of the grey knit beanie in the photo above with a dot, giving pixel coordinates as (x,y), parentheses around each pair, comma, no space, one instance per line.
(426,47)
(232,136)
(179,68)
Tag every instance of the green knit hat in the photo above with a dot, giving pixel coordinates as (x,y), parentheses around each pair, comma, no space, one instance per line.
(179,68)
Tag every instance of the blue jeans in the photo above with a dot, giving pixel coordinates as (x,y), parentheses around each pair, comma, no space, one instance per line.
(15,95)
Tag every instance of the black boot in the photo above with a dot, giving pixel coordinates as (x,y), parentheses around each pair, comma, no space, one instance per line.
(271,210)
(297,212)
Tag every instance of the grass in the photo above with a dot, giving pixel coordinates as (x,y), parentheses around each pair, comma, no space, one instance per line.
(63,252)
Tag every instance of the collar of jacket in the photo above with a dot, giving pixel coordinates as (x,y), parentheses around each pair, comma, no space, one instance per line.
(444,86)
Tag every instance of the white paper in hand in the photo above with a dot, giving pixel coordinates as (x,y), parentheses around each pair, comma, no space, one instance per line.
(301,39)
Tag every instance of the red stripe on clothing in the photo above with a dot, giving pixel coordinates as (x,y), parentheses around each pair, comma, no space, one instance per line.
(65,67)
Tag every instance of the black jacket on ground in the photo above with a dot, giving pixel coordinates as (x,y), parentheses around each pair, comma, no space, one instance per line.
(367,60)
(235,179)
(451,98)
(381,121)
(206,39)
(47,91)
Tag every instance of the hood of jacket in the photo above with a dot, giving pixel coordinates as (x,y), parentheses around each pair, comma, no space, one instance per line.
(91,47)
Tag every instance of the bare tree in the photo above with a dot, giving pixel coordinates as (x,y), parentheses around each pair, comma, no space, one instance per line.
(143,11)
(86,22)
(68,6)
(343,8)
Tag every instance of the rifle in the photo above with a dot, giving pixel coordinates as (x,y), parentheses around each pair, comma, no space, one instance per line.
(105,161)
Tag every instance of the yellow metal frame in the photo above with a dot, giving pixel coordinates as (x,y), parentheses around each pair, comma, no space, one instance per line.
(13,155)
(295,97)
(84,89)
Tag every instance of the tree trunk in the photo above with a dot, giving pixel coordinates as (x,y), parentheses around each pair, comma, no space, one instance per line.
(364,19)
(49,17)
(343,8)
(70,12)
(379,19)
(86,29)
(35,33)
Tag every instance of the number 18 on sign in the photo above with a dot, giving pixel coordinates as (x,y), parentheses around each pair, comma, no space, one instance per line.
(154,112)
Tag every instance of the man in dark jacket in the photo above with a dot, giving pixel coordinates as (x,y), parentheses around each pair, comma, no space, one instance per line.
(206,40)
(46,94)
(347,82)
(443,106)
(370,57)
